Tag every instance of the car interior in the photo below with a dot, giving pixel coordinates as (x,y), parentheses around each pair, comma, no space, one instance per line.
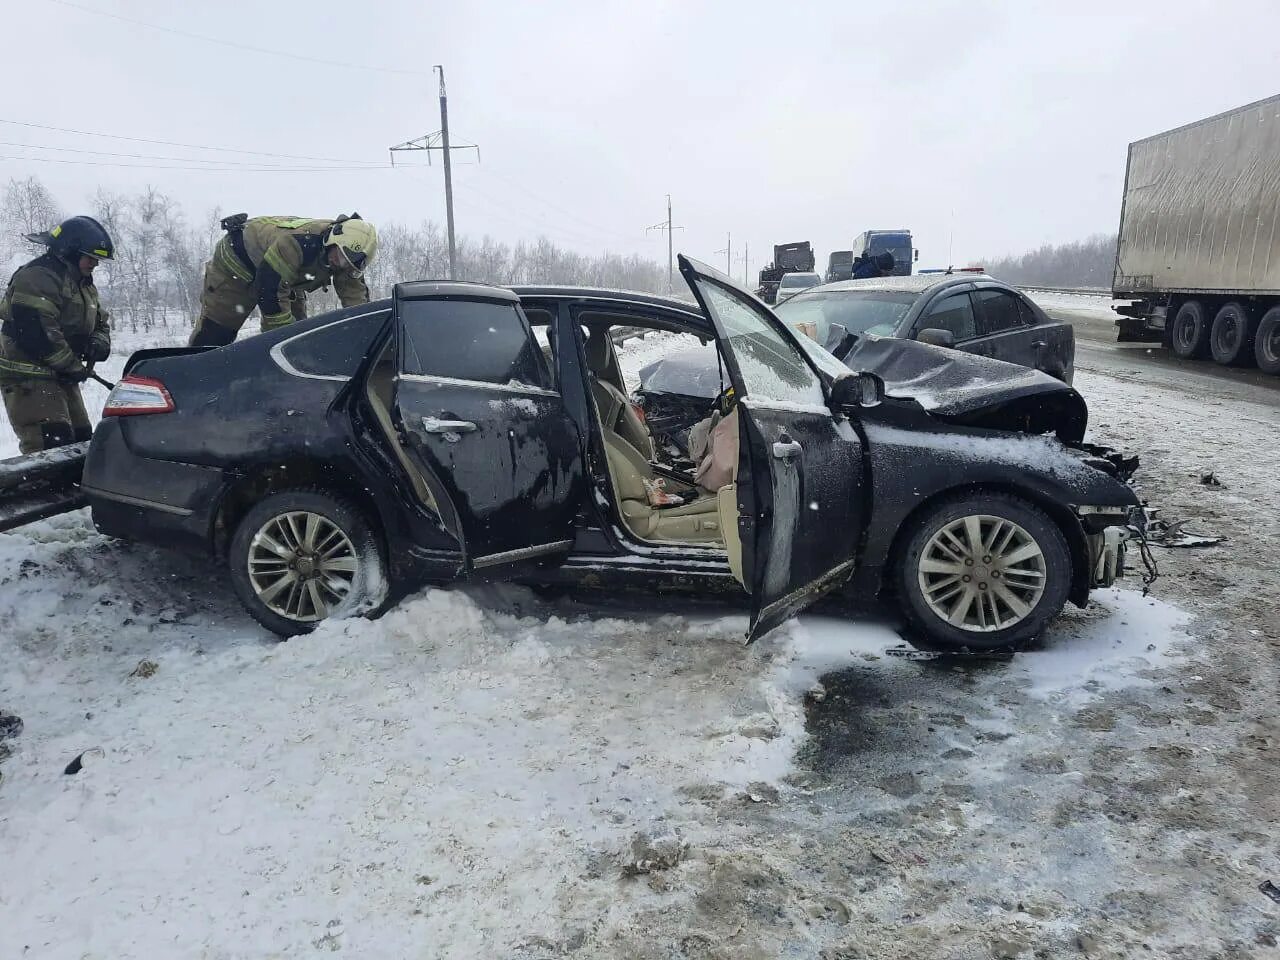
(658,500)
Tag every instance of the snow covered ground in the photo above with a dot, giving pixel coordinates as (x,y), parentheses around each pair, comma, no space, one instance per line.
(482,773)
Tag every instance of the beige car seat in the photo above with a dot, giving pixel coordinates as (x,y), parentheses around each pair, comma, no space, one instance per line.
(696,522)
(616,412)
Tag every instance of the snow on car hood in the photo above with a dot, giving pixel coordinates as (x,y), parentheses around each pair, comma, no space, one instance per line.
(969,388)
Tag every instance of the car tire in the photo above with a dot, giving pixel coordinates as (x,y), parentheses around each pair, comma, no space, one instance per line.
(1231,337)
(1037,577)
(302,556)
(1266,342)
(1190,336)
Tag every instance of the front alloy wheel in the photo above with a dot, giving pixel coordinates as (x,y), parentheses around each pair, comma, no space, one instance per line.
(982,570)
(982,573)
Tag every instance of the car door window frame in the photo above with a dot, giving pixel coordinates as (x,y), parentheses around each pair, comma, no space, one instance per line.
(789,336)
(509,387)
(923,322)
(980,311)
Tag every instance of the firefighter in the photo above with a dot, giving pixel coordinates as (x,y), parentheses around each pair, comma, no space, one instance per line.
(272,263)
(52,330)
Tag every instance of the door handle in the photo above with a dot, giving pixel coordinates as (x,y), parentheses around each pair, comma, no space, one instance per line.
(432,425)
(1039,344)
(786,449)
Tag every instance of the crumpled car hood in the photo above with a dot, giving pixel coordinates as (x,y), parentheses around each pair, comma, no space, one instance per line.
(972,390)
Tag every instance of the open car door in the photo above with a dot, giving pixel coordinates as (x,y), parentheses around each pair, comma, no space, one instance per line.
(799,477)
(476,409)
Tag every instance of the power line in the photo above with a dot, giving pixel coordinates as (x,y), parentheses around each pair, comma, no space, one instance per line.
(174,143)
(440,141)
(670,230)
(231,43)
(152,156)
(150,166)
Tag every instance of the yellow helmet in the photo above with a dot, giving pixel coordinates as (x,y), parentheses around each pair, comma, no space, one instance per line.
(357,239)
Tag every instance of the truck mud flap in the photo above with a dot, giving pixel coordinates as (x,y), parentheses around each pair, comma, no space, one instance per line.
(41,485)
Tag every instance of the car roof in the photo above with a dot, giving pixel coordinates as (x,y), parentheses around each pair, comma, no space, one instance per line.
(421,289)
(916,283)
(602,293)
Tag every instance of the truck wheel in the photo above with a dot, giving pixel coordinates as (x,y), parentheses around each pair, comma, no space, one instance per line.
(302,556)
(983,571)
(1266,342)
(1190,338)
(1231,338)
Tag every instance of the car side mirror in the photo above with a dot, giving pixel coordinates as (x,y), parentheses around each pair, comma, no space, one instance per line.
(858,390)
(937,337)
(915,255)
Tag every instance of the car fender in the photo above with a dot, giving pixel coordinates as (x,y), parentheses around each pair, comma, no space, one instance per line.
(910,465)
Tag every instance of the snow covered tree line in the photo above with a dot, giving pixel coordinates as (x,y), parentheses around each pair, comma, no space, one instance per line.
(1084,263)
(160,256)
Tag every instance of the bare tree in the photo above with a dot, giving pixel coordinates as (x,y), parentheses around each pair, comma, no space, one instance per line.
(1083,263)
(26,207)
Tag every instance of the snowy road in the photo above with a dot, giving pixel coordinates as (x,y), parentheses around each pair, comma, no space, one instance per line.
(477,773)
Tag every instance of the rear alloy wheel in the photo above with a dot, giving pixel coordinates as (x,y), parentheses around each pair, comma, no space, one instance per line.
(983,572)
(303,556)
(1266,342)
(1231,337)
(1190,338)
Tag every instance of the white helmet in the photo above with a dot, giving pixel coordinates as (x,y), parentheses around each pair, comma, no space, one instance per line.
(357,239)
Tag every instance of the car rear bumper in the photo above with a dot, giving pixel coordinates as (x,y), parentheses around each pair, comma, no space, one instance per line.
(140,498)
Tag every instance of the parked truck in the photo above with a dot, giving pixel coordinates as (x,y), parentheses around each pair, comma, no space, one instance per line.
(787,258)
(839,266)
(1198,259)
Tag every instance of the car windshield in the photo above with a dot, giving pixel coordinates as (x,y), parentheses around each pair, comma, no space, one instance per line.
(858,311)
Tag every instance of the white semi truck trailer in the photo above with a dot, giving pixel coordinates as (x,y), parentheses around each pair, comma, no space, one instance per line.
(1198,260)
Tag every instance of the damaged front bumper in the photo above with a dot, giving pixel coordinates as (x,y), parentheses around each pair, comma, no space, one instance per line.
(1106,555)
(1109,531)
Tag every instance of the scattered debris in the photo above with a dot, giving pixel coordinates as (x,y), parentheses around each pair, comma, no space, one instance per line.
(649,854)
(762,793)
(78,764)
(10,725)
(1210,479)
(1170,533)
(1270,889)
(145,669)
(423,880)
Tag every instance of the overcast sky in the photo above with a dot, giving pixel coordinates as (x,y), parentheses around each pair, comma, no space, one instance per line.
(1003,122)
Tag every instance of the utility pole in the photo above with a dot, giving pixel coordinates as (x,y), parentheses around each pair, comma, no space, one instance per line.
(728,254)
(440,141)
(746,264)
(671,255)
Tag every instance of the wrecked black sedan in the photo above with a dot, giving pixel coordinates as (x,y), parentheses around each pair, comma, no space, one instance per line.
(465,430)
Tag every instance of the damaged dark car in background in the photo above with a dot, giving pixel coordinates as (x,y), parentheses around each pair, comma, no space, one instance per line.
(464,430)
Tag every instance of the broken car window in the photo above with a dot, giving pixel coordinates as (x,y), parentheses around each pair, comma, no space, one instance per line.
(470,340)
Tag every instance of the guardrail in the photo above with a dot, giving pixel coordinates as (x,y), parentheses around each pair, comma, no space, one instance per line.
(1075,291)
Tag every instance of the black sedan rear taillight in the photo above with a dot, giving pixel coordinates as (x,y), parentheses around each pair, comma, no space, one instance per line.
(134,396)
